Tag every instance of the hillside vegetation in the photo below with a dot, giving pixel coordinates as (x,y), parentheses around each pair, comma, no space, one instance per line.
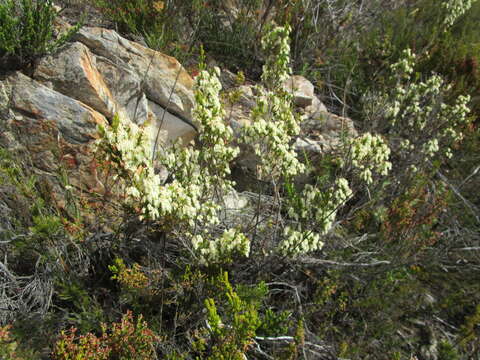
(238,245)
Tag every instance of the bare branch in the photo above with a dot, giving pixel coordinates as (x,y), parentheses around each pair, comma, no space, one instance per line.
(314,261)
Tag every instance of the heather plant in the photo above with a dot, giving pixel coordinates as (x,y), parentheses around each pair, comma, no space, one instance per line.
(221,250)
(8,347)
(369,155)
(131,278)
(200,174)
(128,147)
(232,336)
(88,347)
(454,9)
(27,32)
(313,213)
(215,136)
(273,122)
(128,339)
(422,125)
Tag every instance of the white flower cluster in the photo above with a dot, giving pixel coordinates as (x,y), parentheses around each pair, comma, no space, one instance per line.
(424,124)
(273,121)
(222,249)
(405,66)
(454,9)
(191,189)
(128,147)
(325,213)
(430,148)
(276,44)
(202,172)
(317,209)
(299,242)
(215,135)
(370,154)
(197,174)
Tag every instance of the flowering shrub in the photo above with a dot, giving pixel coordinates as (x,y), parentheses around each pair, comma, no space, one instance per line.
(273,122)
(222,249)
(199,175)
(215,136)
(300,242)
(130,340)
(191,195)
(423,126)
(370,154)
(276,44)
(128,147)
(454,9)
(88,347)
(196,173)
(316,209)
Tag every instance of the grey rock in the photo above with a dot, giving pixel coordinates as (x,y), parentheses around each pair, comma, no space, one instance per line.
(301,89)
(164,79)
(76,121)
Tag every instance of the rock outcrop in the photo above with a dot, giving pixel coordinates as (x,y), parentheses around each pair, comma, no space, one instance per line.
(52,116)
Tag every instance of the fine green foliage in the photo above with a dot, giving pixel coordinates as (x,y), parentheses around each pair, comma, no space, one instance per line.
(27,32)
(447,351)
(230,337)
(137,16)
(154,20)
(223,31)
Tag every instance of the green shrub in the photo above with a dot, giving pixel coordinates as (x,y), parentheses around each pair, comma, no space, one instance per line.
(136,16)
(27,32)
(158,22)
(231,339)
(230,32)
(469,330)
(447,352)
